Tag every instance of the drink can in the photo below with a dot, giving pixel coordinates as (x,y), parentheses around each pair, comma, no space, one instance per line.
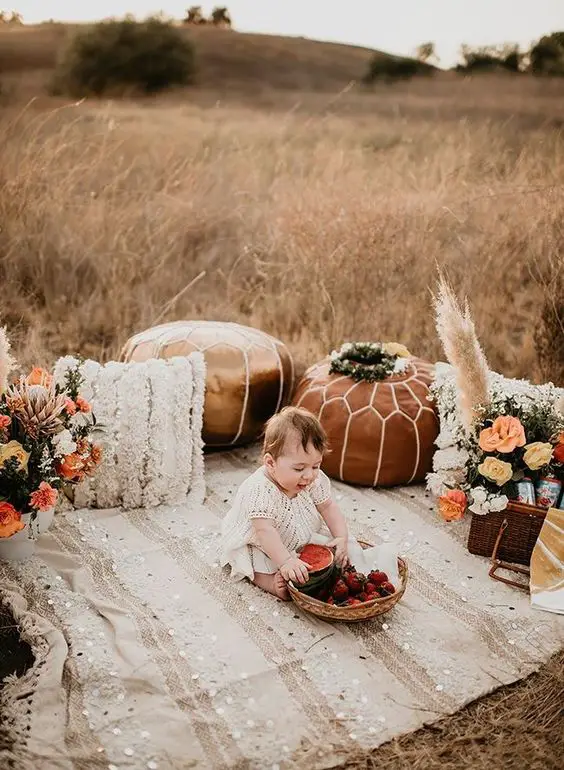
(548,491)
(526,492)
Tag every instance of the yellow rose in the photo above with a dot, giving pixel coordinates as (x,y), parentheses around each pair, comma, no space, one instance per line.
(396,349)
(14,449)
(496,470)
(537,454)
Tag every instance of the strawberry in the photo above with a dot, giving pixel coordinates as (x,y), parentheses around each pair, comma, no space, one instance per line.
(362,597)
(370,589)
(355,582)
(340,591)
(387,586)
(351,601)
(330,600)
(323,594)
(377,577)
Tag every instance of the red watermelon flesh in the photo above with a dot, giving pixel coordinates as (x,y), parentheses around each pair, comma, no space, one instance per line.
(319,557)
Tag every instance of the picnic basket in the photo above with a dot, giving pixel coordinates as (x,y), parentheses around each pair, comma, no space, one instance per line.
(507,537)
(356,613)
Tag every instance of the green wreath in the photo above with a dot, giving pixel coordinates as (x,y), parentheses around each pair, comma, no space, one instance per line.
(369,361)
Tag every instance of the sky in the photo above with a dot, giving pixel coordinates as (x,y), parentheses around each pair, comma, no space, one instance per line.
(396,26)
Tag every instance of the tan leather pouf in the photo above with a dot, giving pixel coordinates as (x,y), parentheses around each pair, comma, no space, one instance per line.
(380,433)
(249,373)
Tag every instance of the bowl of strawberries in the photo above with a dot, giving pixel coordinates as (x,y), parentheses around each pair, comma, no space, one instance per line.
(351,596)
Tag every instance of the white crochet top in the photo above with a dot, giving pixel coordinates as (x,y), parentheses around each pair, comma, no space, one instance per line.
(295,518)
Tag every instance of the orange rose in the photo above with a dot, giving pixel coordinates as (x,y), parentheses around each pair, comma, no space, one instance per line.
(39,376)
(452,505)
(95,457)
(10,520)
(44,498)
(83,404)
(70,406)
(505,435)
(71,467)
(558,453)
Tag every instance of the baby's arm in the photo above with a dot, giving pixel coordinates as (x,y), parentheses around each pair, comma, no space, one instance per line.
(337,525)
(270,542)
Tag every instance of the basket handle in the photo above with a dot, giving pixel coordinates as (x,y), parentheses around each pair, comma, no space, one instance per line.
(499,564)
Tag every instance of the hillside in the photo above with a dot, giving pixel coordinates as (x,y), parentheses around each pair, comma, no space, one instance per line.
(226,59)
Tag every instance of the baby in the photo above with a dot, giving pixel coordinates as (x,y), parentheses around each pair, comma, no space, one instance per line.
(282,505)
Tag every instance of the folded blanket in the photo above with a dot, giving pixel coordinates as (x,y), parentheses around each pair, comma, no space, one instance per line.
(547,565)
(150,426)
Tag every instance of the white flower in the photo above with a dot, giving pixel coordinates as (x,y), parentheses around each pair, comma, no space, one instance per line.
(437,483)
(64,443)
(479,503)
(401,365)
(450,459)
(483,501)
(498,503)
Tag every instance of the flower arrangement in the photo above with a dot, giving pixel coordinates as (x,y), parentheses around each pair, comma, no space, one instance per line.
(370,361)
(495,433)
(45,441)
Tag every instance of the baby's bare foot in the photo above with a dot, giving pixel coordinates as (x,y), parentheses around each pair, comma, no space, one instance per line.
(274,584)
(281,588)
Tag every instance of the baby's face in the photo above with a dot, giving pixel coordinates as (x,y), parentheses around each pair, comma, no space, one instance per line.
(296,468)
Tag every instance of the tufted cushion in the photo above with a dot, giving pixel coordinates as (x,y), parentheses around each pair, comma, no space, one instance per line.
(381,433)
(249,373)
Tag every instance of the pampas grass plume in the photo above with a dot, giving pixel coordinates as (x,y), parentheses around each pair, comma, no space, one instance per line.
(7,363)
(456,330)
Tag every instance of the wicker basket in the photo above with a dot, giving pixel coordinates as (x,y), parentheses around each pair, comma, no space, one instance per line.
(358,612)
(516,528)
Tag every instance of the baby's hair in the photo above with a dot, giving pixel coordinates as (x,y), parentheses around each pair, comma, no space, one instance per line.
(293,419)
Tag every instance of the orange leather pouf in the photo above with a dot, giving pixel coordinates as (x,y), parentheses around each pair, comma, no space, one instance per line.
(381,433)
(249,374)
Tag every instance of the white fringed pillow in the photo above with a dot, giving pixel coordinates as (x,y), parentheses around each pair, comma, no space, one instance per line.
(150,416)
(451,456)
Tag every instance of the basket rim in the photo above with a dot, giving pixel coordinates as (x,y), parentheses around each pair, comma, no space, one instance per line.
(365,605)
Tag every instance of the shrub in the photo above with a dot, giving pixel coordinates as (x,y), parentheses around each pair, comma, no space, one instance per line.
(146,56)
(389,68)
(505,58)
(547,56)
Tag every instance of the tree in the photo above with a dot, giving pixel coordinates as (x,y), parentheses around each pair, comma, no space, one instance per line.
(491,58)
(146,56)
(426,52)
(194,15)
(220,17)
(547,56)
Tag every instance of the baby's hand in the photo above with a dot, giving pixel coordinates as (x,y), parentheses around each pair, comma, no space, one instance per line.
(341,546)
(296,570)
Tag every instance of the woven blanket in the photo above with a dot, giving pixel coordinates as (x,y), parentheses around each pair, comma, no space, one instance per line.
(148,656)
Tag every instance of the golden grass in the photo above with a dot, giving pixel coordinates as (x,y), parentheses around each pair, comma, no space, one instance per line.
(521,726)
(320,223)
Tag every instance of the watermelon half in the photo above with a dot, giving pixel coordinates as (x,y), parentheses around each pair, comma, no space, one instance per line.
(322,562)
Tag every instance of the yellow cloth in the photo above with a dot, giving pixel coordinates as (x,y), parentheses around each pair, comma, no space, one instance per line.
(547,565)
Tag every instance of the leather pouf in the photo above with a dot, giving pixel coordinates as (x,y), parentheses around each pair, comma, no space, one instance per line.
(380,433)
(249,374)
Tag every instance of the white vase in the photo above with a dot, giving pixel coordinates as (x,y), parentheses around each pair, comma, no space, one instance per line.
(22,544)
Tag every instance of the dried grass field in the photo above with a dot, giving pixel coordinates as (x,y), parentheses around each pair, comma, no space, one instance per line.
(318,216)
(285,198)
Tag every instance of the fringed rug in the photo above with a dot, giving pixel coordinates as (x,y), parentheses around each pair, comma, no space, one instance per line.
(147,656)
